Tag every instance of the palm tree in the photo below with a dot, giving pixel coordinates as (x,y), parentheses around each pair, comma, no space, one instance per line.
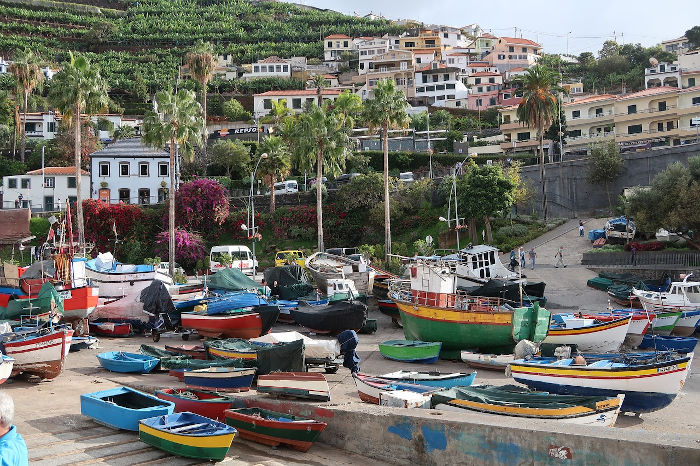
(386,109)
(319,139)
(319,82)
(538,109)
(28,76)
(202,62)
(78,88)
(276,166)
(347,107)
(279,110)
(176,120)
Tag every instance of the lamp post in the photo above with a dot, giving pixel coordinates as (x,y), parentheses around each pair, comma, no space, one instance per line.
(251,208)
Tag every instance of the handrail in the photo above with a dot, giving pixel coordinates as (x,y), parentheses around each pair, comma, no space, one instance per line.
(400,290)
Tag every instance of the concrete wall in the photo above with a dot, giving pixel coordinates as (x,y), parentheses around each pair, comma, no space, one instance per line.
(570,194)
(431,437)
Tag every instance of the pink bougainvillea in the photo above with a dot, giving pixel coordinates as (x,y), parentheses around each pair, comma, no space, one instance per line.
(199,204)
(189,247)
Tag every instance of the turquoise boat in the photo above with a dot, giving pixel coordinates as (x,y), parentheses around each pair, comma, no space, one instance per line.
(411,350)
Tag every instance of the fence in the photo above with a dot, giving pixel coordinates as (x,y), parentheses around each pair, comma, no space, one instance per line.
(649,259)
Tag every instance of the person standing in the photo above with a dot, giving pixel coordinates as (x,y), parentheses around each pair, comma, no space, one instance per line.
(522,259)
(13,450)
(580,228)
(559,256)
(513,261)
(532,255)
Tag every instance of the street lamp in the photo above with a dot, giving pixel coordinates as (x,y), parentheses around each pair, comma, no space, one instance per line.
(251,208)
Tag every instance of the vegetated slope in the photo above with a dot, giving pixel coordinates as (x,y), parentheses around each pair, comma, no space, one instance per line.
(151,36)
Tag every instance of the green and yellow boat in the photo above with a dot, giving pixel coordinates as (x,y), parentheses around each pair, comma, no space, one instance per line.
(188,434)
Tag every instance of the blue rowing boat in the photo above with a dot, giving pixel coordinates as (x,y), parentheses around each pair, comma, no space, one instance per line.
(123,407)
(119,361)
(220,378)
(661,343)
(432,378)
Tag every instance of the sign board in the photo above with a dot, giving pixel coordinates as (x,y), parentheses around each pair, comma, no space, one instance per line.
(695,122)
(245,130)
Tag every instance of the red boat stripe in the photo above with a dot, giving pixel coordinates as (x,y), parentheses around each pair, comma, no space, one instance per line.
(599,377)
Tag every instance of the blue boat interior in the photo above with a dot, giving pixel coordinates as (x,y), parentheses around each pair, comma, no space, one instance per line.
(133,400)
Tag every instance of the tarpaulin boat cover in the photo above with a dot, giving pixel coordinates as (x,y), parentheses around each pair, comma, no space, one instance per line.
(235,300)
(268,316)
(506,289)
(159,353)
(157,300)
(40,269)
(512,395)
(284,357)
(332,317)
(233,280)
(314,348)
(291,280)
(48,300)
(188,363)
(599,283)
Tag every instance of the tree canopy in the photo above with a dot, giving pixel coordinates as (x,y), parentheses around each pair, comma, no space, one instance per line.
(232,155)
(605,165)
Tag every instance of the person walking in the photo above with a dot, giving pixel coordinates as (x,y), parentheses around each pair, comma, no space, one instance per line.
(513,261)
(522,259)
(532,255)
(559,256)
(13,450)
(580,228)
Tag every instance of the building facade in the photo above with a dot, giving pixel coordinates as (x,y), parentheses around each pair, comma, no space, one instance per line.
(423,39)
(368,48)
(677,46)
(45,125)
(44,190)
(335,46)
(295,99)
(437,83)
(270,67)
(512,52)
(129,172)
(398,65)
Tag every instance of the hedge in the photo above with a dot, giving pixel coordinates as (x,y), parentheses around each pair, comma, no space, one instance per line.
(410,161)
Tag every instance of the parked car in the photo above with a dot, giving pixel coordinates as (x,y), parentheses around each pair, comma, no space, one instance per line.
(241,258)
(406,177)
(346,178)
(282,256)
(285,187)
(164,268)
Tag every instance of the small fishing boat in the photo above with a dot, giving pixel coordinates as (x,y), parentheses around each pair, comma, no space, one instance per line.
(230,301)
(207,403)
(662,322)
(687,323)
(331,318)
(411,350)
(273,428)
(309,385)
(493,362)
(324,266)
(588,334)
(370,388)
(119,361)
(191,351)
(111,329)
(233,324)
(510,400)
(681,296)
(188,434)
(116,280)
(123,407)
(6,364)
(232,348)
(389,308)
(78,343)
(635,332)
(649,381)
(179,374)
(661,343)
(39,351)
(432,379)
(227,379)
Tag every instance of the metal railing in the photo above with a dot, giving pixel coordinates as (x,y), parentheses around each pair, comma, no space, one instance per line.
(655,259)
(400,290)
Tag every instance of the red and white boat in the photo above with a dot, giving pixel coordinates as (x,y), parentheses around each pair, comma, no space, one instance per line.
(370,389)
(111,329)
(637,329)
(239,325)
(588,334)
(309,385)
(6,364)
(40,352)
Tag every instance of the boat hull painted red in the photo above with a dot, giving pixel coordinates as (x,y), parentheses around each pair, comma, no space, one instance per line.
(208,404)
(248,325)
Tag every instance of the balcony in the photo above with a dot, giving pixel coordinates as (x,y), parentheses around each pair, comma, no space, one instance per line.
(512,125)
(585,139)
(646,113)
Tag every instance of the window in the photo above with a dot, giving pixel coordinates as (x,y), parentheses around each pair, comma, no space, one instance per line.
(696,100)
(446,35)
(501,56)
(104,168)
(162,194)
(634,129)
(51,126)
(311,100)
(440,87)
(478,103)
(430,43)
(492,80)
(345,43)
(492,101)
(458,104)
(163,169)
(446,77)
(12,183)
(451,96)
(285,68)
(631,109)
(143,169)
(48,203)
(524,49)
(662,68)
(575,133)
(124,195)
(435,78)
(430,89)
(278,68)
(49,182)
(267,104)
(598,112)
(576,114)
(144,196)
(477,80)
(506,119)
(440,97)
(449,86)
(425,79)
(659,127)
(263,69)
(329,44)
(256,69)
(511,49)
(523,136)
(26,183)
(400,81)
(669,125)
(662,106)
(72,200)
(691,82)
(418,60)
(420,89)
(479,89)
(296,103)
(409,45)
(71,182)
(124,169)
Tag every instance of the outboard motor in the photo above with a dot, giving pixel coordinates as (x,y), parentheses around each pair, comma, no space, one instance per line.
(349,340)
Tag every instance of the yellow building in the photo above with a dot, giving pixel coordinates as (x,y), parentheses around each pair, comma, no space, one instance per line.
(517,137)
(426,39)
(398,65)
(589,119)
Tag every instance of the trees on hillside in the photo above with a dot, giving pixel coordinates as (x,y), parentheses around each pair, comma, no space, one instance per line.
(201,61)
(175,121)
(605,165)
(693,36)
(233,155)
(276,166)
(78,87)
(386,109)
(28,76)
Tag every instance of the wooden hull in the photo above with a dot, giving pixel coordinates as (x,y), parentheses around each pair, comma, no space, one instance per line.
(205,447)
(599,338)
(492,362)
(246,326)
(307,385)
(110,329)
(207,404)
(43,356)
(672,343)
(420,352)
(432,379)
(299,434)
(191,351)
(223,379)
(646,388)
(389,308)
(686,324)
(116,361)
(78,303)
(123,407)
(364,281)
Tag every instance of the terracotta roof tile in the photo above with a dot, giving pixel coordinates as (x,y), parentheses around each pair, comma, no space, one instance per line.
(519,41)
(273,59)
(429,67)
(591,98)
(337,36)
(302,92)
(650,91)
(485,73)
(57,171)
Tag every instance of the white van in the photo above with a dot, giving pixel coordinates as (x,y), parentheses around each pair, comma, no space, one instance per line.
(241,257)
(284,187)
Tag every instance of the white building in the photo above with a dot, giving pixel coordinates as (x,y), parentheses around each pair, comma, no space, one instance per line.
(44,190)
(270,67)
(663,74)
(367,48)
(129,172)
(423,56)
(44,125)
(335,45)
(451,37)
(295,99)
(457,59)
(437,83)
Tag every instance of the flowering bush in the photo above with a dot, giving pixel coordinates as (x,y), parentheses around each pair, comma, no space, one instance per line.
(100,218)
(240,217)
(189,247)
(199,204)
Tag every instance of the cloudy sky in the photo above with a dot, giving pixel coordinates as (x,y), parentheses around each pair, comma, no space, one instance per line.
(589,22)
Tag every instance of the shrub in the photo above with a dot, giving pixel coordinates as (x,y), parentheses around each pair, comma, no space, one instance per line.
(200,204)
(39,227)
(101,219)
(514,230)
(234,111)
(189,247)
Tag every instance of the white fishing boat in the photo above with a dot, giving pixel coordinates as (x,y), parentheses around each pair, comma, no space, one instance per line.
(588,334)
(681,296)
(6,364)
(324,267)
(116,280)
(38,352)
(493,362)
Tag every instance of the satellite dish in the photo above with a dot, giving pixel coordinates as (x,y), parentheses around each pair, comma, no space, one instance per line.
(653,61)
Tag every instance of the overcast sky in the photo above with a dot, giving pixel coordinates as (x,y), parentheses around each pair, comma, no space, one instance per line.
(590,22)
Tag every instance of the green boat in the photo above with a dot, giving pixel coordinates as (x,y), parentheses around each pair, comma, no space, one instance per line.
(48,300)
(664,322)
(411,350)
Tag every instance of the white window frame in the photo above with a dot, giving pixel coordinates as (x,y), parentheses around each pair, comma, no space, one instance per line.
(141,165)
(128,169)
(50,182)
(102,165)
(160,169)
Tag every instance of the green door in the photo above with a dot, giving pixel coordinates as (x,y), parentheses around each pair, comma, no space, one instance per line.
(48,204)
